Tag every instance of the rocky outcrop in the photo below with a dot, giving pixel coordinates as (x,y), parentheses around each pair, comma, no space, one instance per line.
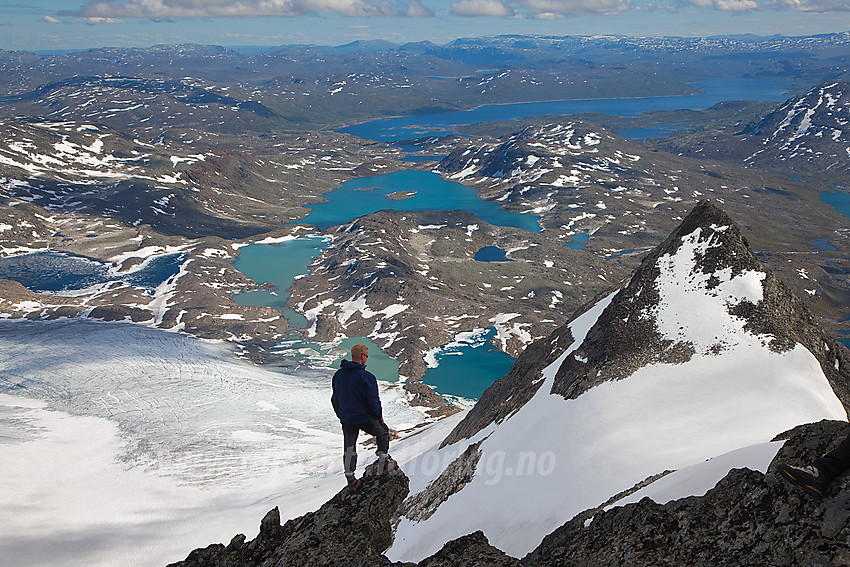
(352,529)
(747,519)
(457,475)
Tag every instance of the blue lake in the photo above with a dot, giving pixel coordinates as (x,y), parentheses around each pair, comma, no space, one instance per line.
(468,366)
(278,264)
(838,200)
(427,192)
(58,272)
(712,91)
(578,240)
(491,254)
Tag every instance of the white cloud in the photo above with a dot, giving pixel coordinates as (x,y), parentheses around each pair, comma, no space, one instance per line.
(726,5)
(481,8)
(52,20)
(549,8)
(175,9)
(815,5)
(735,5)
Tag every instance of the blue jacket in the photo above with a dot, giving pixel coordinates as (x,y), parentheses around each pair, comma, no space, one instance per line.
(355,394)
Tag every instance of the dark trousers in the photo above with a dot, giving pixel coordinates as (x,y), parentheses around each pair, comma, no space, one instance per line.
(350,431)
(836,461)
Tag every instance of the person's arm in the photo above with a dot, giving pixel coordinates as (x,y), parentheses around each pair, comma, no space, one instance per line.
(372,397)
(334,398)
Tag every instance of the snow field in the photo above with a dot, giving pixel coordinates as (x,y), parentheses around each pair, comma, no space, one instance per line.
(135,445)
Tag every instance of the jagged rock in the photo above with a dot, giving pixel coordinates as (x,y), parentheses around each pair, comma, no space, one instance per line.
(351,529)
(472,550)
(457,475)
(747,519)
(625,339)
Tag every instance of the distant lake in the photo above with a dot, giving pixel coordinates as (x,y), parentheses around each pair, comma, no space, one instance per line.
(838,200)
(491,254)
(467,366)
(409,191)
(278,264)
(713,91)
(578,241)
(50,271)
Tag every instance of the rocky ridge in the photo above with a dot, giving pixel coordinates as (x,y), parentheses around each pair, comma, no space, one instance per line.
(626,338)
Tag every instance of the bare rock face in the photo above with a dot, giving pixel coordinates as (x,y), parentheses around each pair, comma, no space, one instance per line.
(457,475)
(472,550)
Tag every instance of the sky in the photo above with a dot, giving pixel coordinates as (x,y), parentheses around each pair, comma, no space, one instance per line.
(49,25)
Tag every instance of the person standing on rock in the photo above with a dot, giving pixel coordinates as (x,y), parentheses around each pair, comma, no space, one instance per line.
(357,405)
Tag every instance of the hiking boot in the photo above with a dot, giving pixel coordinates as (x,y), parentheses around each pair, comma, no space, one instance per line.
(809,477)
(389,464)
(353,484)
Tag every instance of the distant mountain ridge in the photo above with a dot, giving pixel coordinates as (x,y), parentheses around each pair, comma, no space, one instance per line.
(808,132)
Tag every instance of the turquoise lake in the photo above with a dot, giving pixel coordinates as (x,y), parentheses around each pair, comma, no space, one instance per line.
(474,360)
(430,192)
(838,200)
(278,264)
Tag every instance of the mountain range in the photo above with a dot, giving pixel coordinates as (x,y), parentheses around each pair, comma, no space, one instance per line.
(673,312)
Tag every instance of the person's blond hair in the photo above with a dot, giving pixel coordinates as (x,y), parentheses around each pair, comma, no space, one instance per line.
(358,350)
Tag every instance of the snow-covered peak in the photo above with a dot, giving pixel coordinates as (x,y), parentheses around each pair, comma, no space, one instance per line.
(809,127)
(695,357)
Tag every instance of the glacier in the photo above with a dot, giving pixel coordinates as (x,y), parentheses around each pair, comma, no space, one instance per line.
(126,444)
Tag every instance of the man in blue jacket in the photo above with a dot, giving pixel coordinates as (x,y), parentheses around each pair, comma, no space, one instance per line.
(358,407)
